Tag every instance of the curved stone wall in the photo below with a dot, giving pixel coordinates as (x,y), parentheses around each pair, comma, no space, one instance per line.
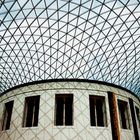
(81,128)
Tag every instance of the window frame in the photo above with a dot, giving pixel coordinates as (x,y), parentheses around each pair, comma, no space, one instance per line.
(34,99)
(5,119)
(126,114)
(64,96)
(137,116)
(104,111)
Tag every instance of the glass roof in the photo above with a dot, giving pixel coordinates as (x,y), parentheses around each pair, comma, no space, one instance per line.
(61,39)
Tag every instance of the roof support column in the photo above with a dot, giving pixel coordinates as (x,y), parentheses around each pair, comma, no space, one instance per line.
(114,116)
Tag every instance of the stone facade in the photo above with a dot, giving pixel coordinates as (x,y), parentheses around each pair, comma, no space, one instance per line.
(46,129)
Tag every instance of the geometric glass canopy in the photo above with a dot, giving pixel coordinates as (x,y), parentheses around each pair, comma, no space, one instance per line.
(62,39)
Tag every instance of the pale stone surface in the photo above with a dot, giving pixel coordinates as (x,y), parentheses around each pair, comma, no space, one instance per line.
(81,129)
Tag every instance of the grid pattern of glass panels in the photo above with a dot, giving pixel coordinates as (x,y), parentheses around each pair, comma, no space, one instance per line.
(83,39)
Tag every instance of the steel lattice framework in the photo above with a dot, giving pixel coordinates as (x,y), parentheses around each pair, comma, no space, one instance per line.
(83,39)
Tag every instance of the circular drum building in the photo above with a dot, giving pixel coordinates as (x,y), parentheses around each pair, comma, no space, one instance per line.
(70,69)
(69,109)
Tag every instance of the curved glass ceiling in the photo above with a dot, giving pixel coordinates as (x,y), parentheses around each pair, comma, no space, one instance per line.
(84,39)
